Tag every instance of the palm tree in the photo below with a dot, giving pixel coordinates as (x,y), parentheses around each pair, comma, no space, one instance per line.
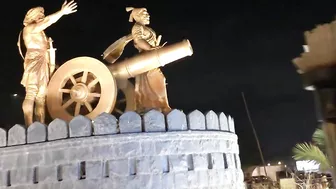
(314,151)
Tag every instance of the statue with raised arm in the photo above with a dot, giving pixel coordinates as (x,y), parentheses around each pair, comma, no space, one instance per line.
(150,87)
(39,60)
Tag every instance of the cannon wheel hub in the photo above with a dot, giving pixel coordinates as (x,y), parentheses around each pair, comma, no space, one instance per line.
(79,92)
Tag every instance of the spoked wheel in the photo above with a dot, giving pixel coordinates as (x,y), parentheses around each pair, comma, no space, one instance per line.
(81,86)
(125,98)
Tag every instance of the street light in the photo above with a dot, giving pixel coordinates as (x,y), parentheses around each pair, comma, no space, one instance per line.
(15,95)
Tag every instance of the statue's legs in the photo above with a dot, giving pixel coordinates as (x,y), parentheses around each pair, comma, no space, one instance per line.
(28,104)
(151,92)
(157,82)
(165,105)
(138,96)
(40,105)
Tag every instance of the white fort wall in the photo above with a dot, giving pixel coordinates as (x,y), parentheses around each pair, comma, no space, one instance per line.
(153,151)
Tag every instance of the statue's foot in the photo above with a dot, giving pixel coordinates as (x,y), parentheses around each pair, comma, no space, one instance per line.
(166,110)
(144,111)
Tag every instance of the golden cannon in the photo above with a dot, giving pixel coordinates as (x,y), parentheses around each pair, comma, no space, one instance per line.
(86,86)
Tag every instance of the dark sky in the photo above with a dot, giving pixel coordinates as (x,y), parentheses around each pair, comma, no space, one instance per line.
(239,46)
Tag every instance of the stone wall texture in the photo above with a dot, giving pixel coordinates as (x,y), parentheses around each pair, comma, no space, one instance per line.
(152,151)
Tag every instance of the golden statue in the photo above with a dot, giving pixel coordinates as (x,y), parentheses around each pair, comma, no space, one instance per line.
(39,60)
(150,87)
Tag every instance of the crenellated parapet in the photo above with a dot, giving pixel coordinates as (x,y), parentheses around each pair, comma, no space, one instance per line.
(151,151)
(107,124)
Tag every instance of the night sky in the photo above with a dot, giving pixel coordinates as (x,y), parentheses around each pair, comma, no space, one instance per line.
(238,47)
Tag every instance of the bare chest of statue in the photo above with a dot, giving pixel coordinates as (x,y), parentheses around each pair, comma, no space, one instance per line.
(35,40)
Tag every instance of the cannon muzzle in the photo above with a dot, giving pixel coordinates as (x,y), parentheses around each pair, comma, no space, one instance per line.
(149,60)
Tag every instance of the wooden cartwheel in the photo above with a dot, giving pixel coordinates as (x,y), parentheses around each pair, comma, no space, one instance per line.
(85,86)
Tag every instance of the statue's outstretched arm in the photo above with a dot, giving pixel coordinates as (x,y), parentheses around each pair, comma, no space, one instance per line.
(67,8)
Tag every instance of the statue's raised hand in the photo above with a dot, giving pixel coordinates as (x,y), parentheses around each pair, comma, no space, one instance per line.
(68,8)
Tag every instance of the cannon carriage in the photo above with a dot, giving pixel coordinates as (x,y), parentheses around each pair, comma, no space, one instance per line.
(86,86)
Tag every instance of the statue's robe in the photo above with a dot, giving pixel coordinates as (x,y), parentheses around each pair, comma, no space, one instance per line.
(36,68)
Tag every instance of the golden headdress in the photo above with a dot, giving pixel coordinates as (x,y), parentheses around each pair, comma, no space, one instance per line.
(31,15)
(135,12)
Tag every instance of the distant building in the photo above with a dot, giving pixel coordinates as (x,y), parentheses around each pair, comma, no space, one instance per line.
(307,166)
(272,171)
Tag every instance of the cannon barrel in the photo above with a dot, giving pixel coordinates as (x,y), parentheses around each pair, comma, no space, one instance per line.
(149,60)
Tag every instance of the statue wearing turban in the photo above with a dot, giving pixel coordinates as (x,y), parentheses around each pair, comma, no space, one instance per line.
(150,87)
(37,68)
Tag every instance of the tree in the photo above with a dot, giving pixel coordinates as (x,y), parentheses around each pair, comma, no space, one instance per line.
(314,151)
